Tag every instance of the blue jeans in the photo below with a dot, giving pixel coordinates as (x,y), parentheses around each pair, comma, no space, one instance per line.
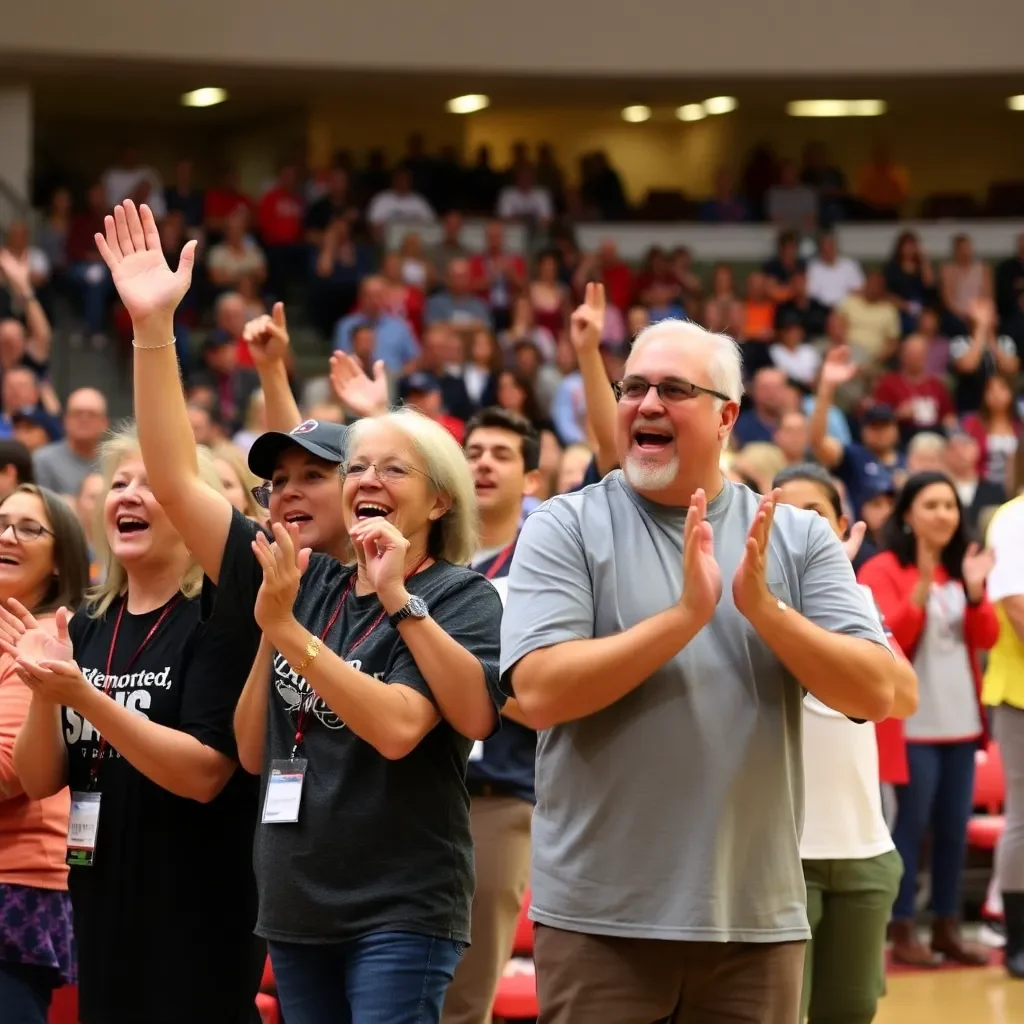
(384,978)
(25,992)
(938,796)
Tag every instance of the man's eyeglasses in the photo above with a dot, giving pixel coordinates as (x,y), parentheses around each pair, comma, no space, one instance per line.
(671,391)
(24,529)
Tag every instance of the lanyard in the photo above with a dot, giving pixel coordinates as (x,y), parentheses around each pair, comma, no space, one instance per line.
(109,679)
(302,718)
(499,560)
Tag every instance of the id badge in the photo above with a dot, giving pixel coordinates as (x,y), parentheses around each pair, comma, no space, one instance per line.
(83,827)
(477,751)
(284,791)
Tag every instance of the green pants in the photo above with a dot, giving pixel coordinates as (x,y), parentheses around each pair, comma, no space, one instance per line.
(848,905)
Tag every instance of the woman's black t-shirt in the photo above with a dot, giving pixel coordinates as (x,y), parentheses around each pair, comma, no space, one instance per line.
(164,917)
(380,845)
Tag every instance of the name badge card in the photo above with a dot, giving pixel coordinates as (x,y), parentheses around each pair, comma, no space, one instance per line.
(476,753)
(284,791)
(83,827)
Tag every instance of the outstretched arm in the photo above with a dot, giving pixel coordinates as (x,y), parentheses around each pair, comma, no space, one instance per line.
(151,293)
(269,344)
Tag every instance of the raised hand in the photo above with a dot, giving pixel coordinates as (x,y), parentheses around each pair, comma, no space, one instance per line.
(17,272)
(750,591)
(975,568)
(702,578)
(982,312)
(838,368)
(365,396)
(283,564)
(587,322)
(131,248)
(853,543)
(21,636)
(385,549)
(267,337)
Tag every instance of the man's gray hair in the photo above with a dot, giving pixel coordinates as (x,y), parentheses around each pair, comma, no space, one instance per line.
(725,360)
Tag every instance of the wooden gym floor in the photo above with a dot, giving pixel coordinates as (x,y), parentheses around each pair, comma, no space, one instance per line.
(953,996)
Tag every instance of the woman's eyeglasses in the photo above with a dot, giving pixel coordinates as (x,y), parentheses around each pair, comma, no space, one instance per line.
(24,529)
(392,473)
(671,391)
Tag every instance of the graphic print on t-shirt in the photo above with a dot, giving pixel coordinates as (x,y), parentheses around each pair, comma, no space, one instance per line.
(296,693)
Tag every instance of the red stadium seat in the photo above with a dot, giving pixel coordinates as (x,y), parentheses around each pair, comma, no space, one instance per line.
(517,993)
(270,1011)
(64,1007)
(984,830)
(522,945)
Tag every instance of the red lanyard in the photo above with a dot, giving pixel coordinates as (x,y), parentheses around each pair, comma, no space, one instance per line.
(307,704)
(108,680)
(499,560)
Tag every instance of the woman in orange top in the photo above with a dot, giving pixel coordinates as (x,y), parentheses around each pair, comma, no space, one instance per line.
(43,564)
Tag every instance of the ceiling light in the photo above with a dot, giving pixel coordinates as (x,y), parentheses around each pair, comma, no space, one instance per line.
(691,112)
(468,104)
(637,113)
(836,108)
(720,104)
(209,96)
(1015,102)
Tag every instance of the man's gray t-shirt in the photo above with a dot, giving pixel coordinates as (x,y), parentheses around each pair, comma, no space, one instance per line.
(60,469)
(676,812)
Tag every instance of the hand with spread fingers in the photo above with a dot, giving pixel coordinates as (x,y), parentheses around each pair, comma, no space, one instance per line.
(385,549)
(750,591)
(267,337)
(587,322)
(702,578)
(283,564)
(365,396)
(977,564)
(21,636)
(131,248)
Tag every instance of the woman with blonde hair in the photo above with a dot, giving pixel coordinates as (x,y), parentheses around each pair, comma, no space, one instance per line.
(363,855)
(131,710)
(238,482)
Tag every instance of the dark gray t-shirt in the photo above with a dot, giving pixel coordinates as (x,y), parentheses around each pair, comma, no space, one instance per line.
(676,812)
(380,845)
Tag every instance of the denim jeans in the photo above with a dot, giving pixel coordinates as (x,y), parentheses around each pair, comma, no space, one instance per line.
(938,796)
(384,978)
(25,992)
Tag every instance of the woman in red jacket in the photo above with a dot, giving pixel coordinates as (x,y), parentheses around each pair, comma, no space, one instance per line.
(929,584)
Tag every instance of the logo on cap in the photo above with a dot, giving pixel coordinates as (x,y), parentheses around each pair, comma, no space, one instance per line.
(305,428)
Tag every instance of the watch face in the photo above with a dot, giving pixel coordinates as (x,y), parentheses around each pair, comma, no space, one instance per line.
(418,608)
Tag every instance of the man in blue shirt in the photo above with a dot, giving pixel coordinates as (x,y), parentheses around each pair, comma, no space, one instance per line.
(395,343)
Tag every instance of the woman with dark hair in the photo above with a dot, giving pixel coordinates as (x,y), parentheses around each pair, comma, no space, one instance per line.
(997,428)
(850,863)
(44,565)
(909,279)
(515,393)
(929,583)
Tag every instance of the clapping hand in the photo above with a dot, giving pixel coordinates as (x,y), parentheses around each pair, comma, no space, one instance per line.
(283,564)
(44,663)
(976,566)
(267,337)
(365,396)
(702,578)
(838,368)
(853,543)
(750,590)
(131,248)
(587,323)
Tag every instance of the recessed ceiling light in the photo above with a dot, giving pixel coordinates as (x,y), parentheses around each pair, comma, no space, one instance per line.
(636,113)
(720,104)
(1015,102)
(691,112)
(208,96)
(836,108)
(468,104)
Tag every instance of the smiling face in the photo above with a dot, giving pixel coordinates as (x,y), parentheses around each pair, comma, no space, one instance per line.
(495,457)
(233,489)
(808,495)
(136,526)
(934,515)
(386,478)
(306,490)
(26,562)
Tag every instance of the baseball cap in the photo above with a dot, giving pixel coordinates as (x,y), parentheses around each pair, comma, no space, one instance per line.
(874,485)
(37,418)
(324,440)
(418,383)
(878,414)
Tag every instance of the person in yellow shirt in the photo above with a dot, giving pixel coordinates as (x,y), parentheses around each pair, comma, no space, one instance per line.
(1004,692)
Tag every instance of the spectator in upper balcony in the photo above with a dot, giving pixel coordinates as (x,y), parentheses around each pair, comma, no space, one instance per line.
(549,174)
(811,313)
(398,204)
(601,187)
(790,204)
(909,279)
(525,201)
(419,164)
(723,306)
(874,322)
(725,206)
(341,263)
(279,218)
(760,173)
(963,281)
(977,356)
(605,265)
(86,269)
(53,231)
(335,204)
(758,315)
(482,182)
(448,191)
(827,180)
(793,354)
(237,257)
(782,267)
(920,399)
(548,295)
(690,285)
(830,276)
(131,179)
(395,342)
(223,200)
(883,186)
(457,304)
(183,197)
(1010,290)
(450,247)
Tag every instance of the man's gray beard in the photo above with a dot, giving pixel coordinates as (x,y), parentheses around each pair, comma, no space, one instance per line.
(650,477)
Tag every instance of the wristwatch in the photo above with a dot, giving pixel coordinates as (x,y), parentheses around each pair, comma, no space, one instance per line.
(415,608)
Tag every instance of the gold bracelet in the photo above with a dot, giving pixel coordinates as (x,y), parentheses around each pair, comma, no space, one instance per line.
(312,650)
(152,348)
